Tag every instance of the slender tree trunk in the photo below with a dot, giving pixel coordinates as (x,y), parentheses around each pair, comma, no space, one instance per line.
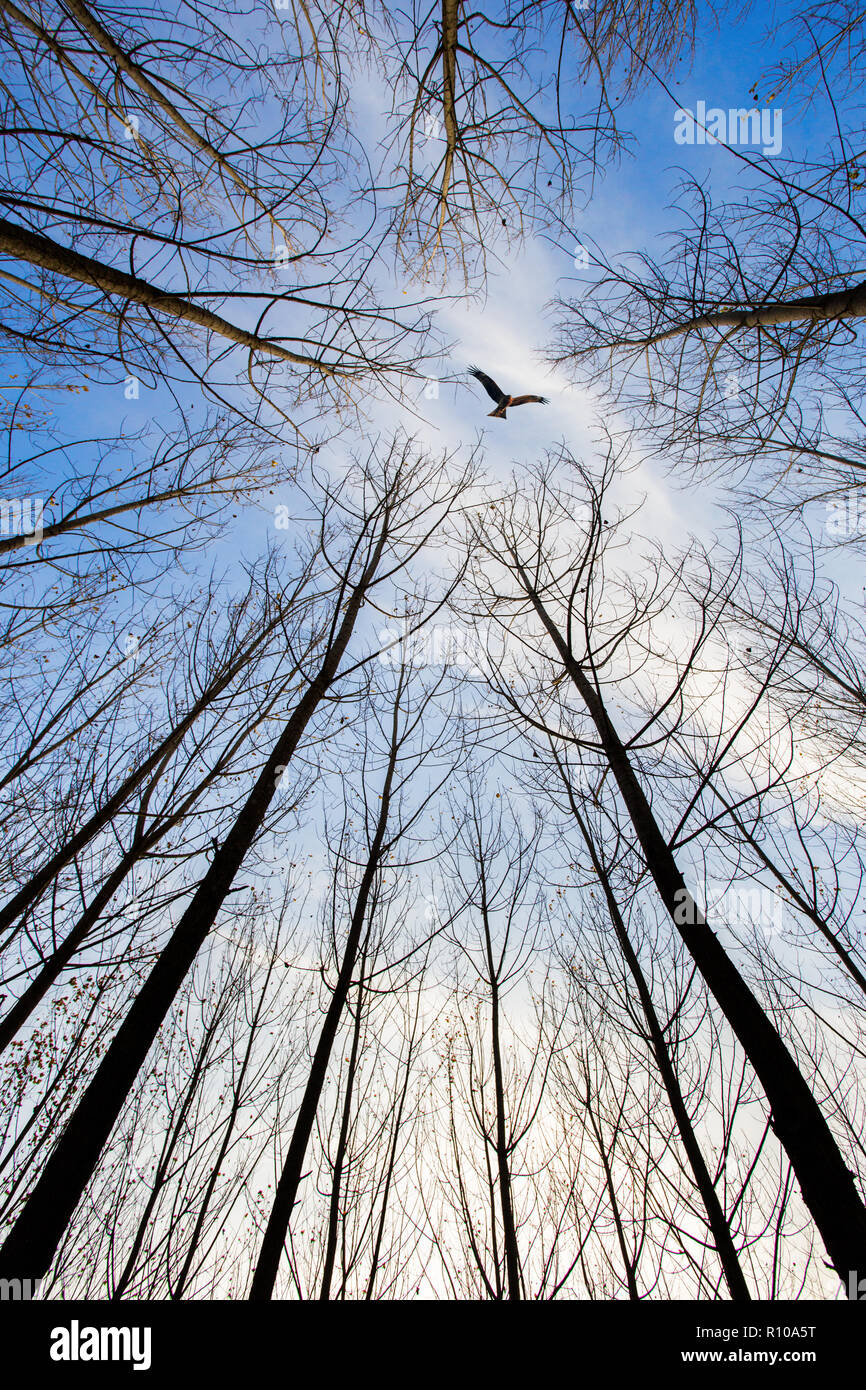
(503,1157)
(231,1120)
(169,1146)
(342,1142)
(290,1179)
(450,30)
(716,1217)
(391,1163)
(628,1266)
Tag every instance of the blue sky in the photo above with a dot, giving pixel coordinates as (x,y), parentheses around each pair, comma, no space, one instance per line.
(505,331)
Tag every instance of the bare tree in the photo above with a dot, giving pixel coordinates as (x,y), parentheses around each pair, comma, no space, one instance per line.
(387,816)
(735,346)
(530,574)
(401,503)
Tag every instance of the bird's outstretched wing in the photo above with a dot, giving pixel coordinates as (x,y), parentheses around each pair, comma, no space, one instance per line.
(494,392)
(528,400)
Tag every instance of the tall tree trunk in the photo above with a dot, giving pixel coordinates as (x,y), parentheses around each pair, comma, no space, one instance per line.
(162,1169)
(503,1157)
(715,1215)
(286,1194)
(342,1144)
(391,1161)
(627,1262)
(230,1122)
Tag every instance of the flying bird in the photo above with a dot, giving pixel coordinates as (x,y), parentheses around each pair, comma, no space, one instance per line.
(503,401)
